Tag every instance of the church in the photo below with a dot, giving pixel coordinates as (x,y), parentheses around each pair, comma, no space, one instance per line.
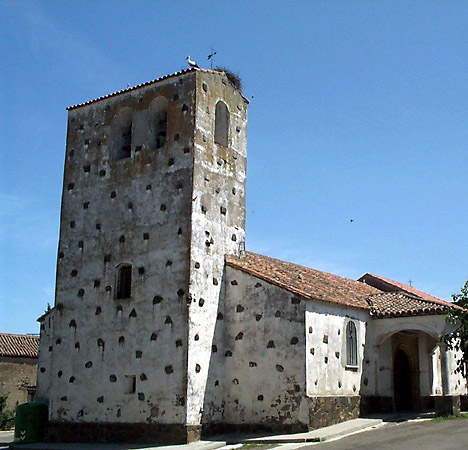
(165,328)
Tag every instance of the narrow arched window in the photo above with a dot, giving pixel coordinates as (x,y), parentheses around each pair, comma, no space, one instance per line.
(221,124)
(158,123)
(351,345)
(123,288)
(122,139)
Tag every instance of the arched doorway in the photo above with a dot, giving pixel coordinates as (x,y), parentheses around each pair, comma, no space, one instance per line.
(402,381)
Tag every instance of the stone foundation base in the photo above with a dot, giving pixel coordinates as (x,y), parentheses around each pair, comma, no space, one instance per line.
(464,402)
(325,411)
(253,428)
(122,433)
(446,405)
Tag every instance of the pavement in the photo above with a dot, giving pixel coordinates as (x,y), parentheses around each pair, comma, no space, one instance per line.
(445,434)
(229,442)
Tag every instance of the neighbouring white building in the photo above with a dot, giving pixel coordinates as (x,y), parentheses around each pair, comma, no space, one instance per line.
(165,328)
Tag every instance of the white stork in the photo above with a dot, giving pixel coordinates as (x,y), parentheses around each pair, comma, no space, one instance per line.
(191,63)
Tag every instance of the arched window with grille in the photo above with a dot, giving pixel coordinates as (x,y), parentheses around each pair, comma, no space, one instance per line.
(351,345)
(123,288)
(221,124)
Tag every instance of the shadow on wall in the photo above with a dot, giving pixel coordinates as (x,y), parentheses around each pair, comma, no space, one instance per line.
(213,404)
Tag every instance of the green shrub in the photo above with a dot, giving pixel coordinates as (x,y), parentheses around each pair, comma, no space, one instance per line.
(7,417)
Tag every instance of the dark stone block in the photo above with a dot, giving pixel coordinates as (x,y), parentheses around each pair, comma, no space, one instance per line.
(447,405)
(464,402)
(121,433)
(372,404)
(325,411)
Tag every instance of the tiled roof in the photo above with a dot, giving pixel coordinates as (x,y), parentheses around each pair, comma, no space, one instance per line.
(305,282)
(165,77)
(387,285)
(400,304)
(23,345)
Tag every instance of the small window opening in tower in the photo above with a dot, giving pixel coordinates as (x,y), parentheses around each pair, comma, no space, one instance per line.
(130,384)
(126,149)
(124,282)
(122,142)
(221,124)
(158,123)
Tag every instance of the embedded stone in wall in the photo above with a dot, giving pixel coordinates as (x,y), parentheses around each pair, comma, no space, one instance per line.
(325,411)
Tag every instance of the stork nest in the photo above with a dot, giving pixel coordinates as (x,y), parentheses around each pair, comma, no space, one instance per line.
(234,78)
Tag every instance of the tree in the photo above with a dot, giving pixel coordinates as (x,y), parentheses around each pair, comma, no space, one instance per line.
(458,339)
(7,417)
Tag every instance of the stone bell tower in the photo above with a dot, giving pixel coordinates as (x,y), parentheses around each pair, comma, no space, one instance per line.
(153,199)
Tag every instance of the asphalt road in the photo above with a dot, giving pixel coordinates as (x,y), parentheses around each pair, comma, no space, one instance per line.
(427,435)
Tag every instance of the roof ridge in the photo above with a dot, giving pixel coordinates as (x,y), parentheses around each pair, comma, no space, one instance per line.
(33,335)
(302,266)
(147,83)
(410,290)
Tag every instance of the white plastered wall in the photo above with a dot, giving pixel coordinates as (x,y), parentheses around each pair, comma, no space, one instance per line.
(326,368)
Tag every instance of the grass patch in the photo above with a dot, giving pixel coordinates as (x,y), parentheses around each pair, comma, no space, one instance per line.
(463,415)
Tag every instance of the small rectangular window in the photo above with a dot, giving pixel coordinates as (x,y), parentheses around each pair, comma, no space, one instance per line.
(124,282)
(130,384)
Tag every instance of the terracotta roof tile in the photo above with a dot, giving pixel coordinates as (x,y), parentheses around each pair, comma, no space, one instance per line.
(400,304)
(305,282)
(388,285)
(23,345)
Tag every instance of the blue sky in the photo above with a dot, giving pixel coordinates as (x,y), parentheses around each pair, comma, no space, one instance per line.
(359,110)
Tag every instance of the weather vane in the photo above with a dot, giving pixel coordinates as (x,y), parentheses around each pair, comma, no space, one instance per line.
(210,56)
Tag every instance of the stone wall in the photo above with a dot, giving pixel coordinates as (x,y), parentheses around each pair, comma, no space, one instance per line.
(263,339)
(261,346)
(325,411)
(15,373)
(218,228)
(124,360)
(164,199)
(46,346)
